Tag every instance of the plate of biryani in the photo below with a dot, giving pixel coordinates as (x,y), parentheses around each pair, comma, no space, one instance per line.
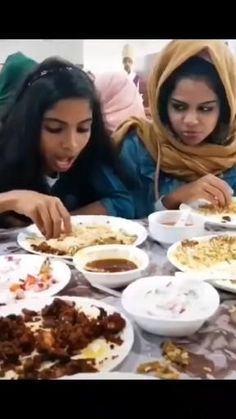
(223,216)
(207,254)
(87,230)
(61,337)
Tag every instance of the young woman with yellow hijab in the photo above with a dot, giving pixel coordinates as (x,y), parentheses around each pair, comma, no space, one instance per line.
(188,150)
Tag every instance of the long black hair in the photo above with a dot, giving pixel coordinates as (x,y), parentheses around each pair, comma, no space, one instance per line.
(198,68)
(21,162)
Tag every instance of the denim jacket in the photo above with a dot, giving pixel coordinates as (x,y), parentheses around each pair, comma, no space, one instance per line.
(143,168)
(103,185)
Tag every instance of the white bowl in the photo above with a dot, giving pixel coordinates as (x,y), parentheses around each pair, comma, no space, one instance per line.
(113,251)
(165,323)
(169,234)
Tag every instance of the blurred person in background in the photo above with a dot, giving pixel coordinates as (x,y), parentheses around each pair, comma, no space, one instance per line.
(16,67)
(119,98)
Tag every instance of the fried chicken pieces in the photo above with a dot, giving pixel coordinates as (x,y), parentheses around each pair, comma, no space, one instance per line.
(63,332)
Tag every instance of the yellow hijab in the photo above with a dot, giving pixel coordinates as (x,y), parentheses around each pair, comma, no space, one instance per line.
(172,156)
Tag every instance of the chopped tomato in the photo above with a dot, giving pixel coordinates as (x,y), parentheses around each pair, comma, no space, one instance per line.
(30,280)
(43,281)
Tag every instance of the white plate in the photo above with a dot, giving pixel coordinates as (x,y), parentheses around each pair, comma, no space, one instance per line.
(225,285)
(219,275)
(131,227)
(229,268)
(109,376)
(15,267)
(88,305)
(215,219)
(217,279)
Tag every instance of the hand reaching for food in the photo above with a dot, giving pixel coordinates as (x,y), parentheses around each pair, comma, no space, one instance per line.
(208,187)
(47,212)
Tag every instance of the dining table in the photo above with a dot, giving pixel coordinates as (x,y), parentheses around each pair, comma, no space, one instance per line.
(212,350)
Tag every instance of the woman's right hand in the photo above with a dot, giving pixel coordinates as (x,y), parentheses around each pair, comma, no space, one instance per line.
(209,187)
(47,212)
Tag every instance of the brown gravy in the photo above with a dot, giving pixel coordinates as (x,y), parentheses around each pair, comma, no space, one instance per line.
(172,223)
(110,265)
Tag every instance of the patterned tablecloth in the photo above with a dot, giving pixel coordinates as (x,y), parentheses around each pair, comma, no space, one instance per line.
(212,350)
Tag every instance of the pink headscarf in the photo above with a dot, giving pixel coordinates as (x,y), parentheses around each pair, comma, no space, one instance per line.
(119,97)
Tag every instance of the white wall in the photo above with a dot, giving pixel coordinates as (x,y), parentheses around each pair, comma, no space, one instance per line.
(40,49)
(98,55)
(106,54)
